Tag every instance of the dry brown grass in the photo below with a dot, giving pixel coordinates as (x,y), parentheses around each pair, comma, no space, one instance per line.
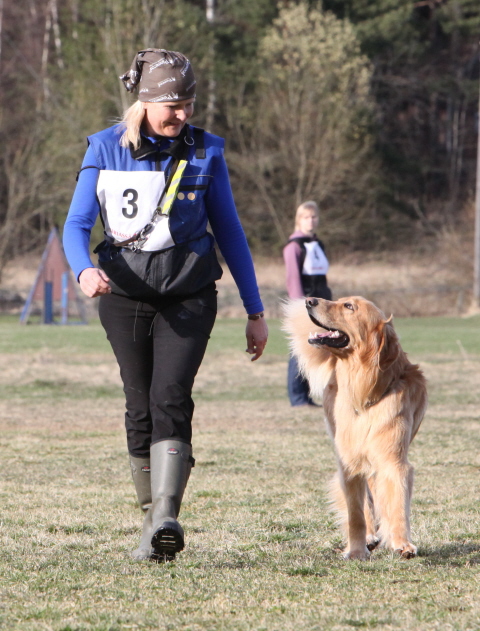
(436,281)
(403,288)
(261,542)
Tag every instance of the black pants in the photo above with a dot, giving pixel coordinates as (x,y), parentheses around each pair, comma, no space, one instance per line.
(159,348)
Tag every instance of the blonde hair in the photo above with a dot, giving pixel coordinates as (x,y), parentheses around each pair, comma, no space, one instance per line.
(132,121)
(310,205)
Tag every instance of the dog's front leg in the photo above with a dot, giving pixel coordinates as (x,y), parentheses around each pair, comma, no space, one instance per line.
(372,536)
(354,487)
(394,487)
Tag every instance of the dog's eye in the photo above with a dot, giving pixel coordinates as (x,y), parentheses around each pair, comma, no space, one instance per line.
(348,305)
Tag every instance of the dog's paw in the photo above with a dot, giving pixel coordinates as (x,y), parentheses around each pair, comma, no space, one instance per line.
(372,542)
(361,554)
(406,551)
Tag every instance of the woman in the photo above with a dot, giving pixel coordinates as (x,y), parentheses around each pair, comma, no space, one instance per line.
(306,267)
(156,182)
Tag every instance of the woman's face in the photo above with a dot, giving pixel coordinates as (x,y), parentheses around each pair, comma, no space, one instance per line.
(307,222)
(167,119)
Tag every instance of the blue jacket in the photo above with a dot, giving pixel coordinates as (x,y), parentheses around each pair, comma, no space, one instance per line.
(211,201)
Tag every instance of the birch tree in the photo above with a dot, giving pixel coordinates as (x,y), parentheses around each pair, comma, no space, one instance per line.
(305,133)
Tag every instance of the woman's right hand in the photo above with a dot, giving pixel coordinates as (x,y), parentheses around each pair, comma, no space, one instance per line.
(94,282)
(257,335)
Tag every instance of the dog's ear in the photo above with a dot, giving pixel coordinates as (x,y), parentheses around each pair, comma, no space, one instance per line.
(389,346)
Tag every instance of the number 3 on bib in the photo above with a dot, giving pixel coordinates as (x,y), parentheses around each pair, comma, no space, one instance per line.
(128,200)
(130,213)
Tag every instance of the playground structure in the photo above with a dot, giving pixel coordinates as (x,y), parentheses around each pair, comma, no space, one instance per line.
(54,294)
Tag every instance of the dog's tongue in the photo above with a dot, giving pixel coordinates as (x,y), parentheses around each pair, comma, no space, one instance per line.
(317,335)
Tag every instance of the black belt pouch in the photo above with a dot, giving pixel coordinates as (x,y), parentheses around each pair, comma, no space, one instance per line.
(178,271)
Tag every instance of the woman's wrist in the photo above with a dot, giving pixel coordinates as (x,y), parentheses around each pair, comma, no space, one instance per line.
(255,316)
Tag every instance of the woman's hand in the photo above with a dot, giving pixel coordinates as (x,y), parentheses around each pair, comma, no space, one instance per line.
(94,282)
(257,335)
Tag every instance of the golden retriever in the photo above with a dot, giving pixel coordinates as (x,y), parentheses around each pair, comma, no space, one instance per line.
(374,400)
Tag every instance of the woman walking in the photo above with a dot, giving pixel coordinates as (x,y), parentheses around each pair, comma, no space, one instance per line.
(156,182)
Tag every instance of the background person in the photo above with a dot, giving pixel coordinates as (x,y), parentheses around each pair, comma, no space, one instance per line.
(306,267)
(156,181)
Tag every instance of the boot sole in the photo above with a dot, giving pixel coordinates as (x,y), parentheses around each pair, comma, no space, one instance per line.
(166,542)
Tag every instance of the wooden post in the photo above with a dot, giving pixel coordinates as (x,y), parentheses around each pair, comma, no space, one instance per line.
(210,15)
(476,255)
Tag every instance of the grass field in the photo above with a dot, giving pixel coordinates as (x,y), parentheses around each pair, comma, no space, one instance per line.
(262,547)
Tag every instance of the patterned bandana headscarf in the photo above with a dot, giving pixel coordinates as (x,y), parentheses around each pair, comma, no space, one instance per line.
(161,75)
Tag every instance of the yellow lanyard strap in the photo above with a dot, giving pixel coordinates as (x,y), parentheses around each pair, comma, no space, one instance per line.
(163,209)
(171,194)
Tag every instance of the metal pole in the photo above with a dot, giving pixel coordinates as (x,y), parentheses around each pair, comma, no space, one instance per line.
(64,303)
(476,255)
(48,302)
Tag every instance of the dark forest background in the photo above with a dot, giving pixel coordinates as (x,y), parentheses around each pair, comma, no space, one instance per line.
(368,107)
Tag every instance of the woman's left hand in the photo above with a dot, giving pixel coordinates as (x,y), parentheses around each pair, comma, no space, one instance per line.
(257,335)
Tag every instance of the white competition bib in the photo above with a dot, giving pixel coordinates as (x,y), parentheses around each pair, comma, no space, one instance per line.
(315,260)
(128,200)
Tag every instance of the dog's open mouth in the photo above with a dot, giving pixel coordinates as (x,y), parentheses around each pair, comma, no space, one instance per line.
(332,337)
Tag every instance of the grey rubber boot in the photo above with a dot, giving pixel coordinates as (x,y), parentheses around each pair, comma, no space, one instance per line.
(171,463)
(141,479)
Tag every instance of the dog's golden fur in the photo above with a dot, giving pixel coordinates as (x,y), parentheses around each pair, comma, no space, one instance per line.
(374,400)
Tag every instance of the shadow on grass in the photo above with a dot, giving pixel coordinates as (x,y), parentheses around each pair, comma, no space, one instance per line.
(369,623)
(455,554)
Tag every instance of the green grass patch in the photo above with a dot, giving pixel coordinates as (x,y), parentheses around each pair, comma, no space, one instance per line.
(57,389)
(440,336)
(15,338)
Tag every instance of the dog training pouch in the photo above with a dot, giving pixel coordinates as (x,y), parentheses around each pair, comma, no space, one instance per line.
(178,271)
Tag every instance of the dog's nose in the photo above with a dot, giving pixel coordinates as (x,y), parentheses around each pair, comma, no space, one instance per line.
(311,302)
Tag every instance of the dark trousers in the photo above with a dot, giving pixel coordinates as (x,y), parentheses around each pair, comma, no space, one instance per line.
(159,349)
(297,385)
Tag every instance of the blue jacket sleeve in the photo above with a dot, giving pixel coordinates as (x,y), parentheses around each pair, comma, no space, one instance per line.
(82,215)
(230,236)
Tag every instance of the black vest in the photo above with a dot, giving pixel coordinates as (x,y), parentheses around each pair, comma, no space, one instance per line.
(312,285)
